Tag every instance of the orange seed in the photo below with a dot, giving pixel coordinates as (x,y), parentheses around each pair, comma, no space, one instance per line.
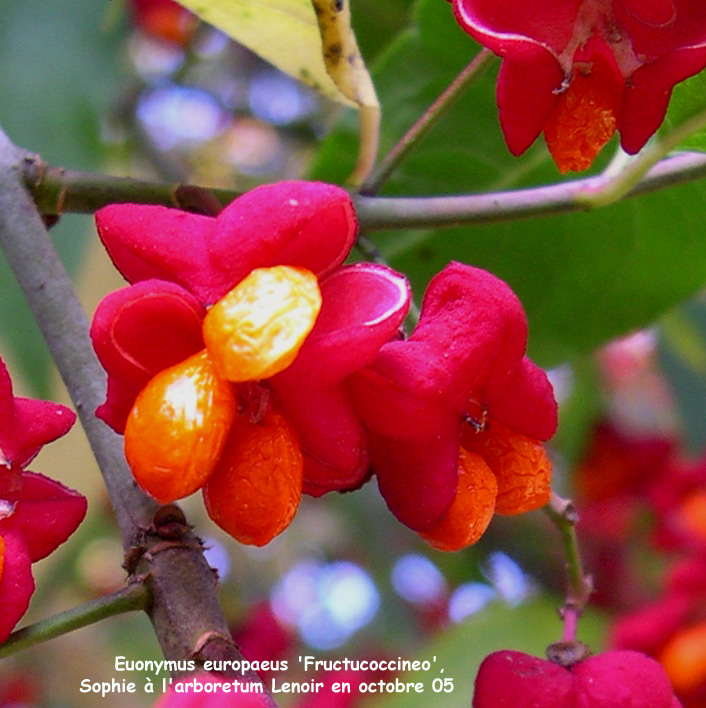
(520,464)
(178,427)
(584,118)
(257,329)
(256,487)
(472,508)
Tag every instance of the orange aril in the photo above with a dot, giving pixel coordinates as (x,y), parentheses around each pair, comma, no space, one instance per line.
(691,515)
(255,490)
(520,464)
(472,508)
(684,659)
(257,329)
(584,118)
(177,428)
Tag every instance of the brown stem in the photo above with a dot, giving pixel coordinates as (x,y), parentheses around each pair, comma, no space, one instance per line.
(56,190)
(184,605)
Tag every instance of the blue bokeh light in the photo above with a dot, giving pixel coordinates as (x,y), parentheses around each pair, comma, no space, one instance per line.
(326,602)
(417,579)
(173,115)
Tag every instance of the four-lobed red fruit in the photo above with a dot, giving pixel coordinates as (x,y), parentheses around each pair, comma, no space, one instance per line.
(499,471)
(177,429)
(184,433)
(255,489)
(614,679)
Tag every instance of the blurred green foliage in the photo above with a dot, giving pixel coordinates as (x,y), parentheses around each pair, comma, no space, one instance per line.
(59,71)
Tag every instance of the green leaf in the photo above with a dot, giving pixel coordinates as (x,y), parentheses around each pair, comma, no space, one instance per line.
(688,101)
(283,32)
(582,277)
(529,628)
(375,23)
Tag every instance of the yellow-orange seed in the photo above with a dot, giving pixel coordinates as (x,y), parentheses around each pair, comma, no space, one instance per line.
(255,490)
(684,659)
(472,508)
(177,428)
(584,118)
(520,464)
(257,329)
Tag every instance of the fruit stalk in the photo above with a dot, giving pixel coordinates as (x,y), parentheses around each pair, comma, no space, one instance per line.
(563,515)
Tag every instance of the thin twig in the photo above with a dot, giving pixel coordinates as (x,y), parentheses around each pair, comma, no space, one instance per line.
(431,116)
(381,213)
(129,599)
(563,515)
(568,651)
(56,190)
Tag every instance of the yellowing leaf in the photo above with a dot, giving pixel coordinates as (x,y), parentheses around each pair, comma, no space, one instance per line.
(346,67)
(343,60)
(311,40)
(283,32)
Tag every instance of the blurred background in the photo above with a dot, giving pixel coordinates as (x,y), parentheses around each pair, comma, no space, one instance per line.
(143,89)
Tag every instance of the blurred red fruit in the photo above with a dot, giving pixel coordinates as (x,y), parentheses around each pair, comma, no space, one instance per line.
(164,19)
(262,637)
(615,679)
